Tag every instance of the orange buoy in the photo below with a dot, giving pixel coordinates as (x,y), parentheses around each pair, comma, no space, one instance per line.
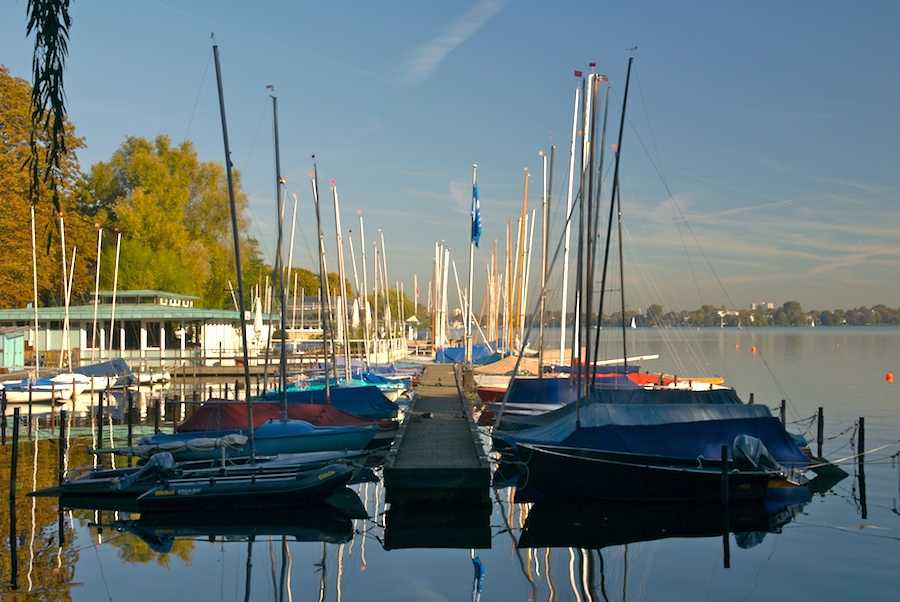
(735,345)
(753,349)
(889,377)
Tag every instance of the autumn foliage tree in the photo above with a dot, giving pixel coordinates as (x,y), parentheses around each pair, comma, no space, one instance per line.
(16,265)
(174,215)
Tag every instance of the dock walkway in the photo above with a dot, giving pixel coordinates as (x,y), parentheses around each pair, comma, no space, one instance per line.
(438,452)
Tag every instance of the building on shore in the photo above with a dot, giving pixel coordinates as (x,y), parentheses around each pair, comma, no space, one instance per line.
(150,328)
(147,328)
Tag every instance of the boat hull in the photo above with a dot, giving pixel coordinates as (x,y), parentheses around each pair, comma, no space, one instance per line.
(591,474)
(267,490)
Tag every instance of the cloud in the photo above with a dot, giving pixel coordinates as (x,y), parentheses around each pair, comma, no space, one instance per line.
(427,57)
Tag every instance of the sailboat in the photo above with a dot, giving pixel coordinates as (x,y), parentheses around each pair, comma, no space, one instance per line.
(653,442)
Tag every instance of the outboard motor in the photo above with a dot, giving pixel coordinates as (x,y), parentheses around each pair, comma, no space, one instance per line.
(750,451)
(158,465)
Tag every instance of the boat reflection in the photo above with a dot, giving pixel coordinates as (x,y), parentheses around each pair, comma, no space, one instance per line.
(588,524)
(326,521)
(319,522)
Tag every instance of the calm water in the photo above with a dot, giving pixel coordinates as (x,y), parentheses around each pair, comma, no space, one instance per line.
(841,545)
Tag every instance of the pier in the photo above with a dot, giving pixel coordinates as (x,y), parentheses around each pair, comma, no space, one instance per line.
(437,476)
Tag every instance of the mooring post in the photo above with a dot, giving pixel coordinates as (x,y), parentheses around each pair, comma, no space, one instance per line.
(864,512)
(100,397)
(783,412)
(820,435)
(725,476)
(13,470)
(129,403)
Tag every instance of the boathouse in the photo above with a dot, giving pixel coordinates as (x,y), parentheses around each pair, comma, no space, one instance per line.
(145,327)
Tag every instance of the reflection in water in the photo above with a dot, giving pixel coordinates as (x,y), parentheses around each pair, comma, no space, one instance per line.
(320,522)
(575,532)
(329,522)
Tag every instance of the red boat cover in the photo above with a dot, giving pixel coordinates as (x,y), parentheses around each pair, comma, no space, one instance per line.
(223,415)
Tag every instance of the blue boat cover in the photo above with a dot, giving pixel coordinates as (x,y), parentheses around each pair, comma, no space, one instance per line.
(481,354)
(554,390)
(702,439)
(366,401)
(607,414)
(113,367)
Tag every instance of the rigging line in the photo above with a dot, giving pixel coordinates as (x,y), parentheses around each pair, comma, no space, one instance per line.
(262,239)
(197,100)
(676,208)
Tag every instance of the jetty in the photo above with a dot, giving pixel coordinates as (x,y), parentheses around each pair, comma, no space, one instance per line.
(437,476)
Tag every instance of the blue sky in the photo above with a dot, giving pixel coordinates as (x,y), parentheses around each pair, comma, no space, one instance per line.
(760,155)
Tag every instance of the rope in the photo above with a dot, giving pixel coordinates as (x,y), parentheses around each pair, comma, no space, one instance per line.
(859,455)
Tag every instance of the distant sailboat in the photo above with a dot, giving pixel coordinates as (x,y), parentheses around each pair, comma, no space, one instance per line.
(633,323)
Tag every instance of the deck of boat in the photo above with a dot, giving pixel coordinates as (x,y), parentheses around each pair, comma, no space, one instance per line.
(438,452)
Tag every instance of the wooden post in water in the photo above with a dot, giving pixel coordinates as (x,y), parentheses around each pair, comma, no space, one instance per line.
(861,450)
(726,548)
(13,470)
(129,401)
(100,397)
(783,412)
(725,500)
(156,416)
(3,417)
(820,434)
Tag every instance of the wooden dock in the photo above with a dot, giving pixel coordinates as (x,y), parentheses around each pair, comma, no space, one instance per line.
(437,476)
(438,451)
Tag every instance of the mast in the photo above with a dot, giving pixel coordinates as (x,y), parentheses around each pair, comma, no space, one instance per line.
(37,355)
(388,321)
(342,317)
(96,293)
(589,225)
(237,256)
(545,241)
(565,280)
(476,234)
(520,261)
(603,78)
(112,316)
(324,281)
(279,273)
(612,207)
(365,289)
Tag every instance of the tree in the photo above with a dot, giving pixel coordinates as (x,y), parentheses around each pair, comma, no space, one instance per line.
(16,263)
(48,140)
(794,314)
(655,314)
(174,214)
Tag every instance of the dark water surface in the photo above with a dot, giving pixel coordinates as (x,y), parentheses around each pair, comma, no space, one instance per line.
(840,544)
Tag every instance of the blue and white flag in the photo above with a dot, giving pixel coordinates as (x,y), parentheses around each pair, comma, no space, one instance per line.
(476,213)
